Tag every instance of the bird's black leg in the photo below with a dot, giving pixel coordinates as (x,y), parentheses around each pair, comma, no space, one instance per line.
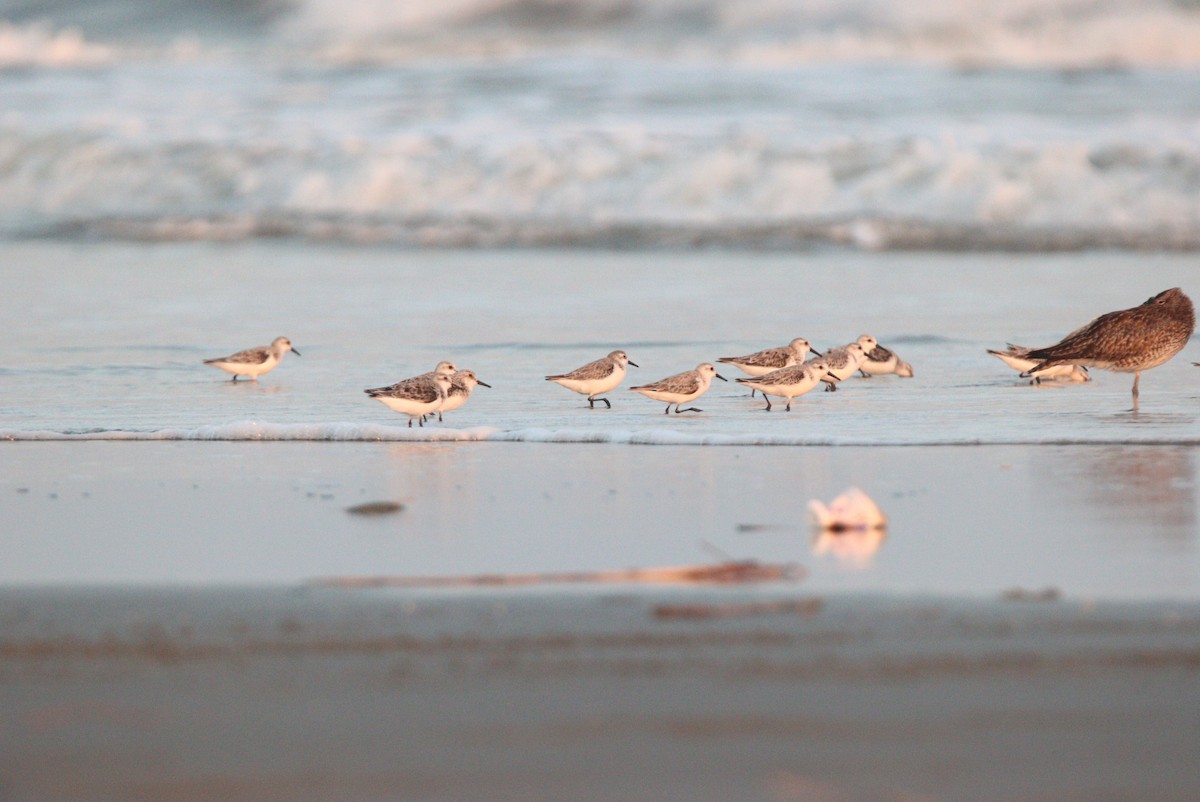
(788,408)
(667,411)
(768,402)
(606,402)
(689,409)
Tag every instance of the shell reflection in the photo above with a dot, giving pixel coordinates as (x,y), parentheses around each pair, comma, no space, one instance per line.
(850,529)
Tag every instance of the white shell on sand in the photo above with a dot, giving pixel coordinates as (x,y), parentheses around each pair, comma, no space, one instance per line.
(852,510)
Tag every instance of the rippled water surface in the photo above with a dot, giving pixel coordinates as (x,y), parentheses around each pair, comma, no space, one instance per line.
(105,340)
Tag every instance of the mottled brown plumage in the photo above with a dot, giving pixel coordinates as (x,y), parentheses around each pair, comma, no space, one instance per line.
(1126,341)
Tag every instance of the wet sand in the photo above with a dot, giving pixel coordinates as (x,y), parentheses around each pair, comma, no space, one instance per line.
(1029,628)
(1092,521)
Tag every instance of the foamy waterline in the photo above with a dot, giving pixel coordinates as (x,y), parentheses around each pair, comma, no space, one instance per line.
(259,431)
(859,233)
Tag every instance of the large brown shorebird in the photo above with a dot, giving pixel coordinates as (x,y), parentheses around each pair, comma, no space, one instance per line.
(1126,341)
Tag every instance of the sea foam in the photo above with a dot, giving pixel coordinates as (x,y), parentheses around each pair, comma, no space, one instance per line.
(259,431)
(40,45)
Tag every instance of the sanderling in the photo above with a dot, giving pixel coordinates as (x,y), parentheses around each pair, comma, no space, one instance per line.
(1016,357)
(415,397)
(881,361)
(461,385)
(682,387)
(1126,341)
(770,359)
(841,363)
(254,362)
(443,368)
(596,378)
(789,382)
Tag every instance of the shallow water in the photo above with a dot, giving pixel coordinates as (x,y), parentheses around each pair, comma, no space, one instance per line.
(105,343)
(106,340)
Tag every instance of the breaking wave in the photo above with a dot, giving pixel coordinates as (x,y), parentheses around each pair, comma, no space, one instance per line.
(609,190)
(1023,33)
(1015,125)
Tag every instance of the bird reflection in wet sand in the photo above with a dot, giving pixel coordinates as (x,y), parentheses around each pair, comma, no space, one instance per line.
(1154,486)
(1126,341)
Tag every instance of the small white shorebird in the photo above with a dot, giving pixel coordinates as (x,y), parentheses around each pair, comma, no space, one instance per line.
(841,363)
(443,368)
(416,397)
(461,385)
(789,382)
(1016,357)
(681,388)
(596,378)
(254,362)
(770,359)
(881,361)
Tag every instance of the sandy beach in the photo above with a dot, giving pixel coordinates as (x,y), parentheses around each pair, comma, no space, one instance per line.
(206,658)
(279,590)
(306,693)
(1091,521)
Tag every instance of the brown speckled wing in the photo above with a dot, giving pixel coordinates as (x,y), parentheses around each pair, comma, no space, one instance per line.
(1126,338)
(788,375)
(418,388)
(836,358)
(592,370)
(770,358)
(251,356)
(682,383)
